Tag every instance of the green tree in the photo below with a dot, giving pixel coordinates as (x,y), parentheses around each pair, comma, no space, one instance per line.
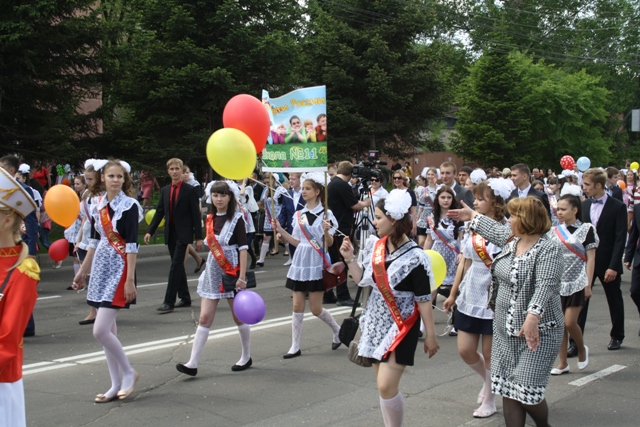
(382,85)
(513,110)
(48,68)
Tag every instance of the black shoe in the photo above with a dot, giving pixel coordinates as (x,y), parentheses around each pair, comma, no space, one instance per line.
(253,264)
(165,308)
(198,268)
(292,355)
(260,264)
(335,345)
(87,322)
(572,351)
(330,300)
(29,334)
(614,344)
(189,371)
(346,303)
(237,368)
(183,304)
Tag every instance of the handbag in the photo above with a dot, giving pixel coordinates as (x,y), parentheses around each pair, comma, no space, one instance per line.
(354,357)
(229,281)
(334,275)
(350,325)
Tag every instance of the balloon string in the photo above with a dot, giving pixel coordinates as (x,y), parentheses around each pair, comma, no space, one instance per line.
(324,221)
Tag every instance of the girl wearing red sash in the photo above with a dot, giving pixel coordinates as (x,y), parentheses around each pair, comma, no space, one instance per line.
(474,320)
(271,212)
(19,276)
(227,241)
(400,275)
(444,236)
(111,259)
(311,226)
(579,242)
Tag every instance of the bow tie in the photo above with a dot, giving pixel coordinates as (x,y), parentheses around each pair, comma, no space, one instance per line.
(598,201)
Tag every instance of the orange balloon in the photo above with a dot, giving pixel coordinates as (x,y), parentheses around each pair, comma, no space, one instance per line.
(62,205)
(66,182)
(622,184)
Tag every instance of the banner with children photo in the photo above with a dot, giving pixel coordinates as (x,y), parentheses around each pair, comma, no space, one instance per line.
(298,137)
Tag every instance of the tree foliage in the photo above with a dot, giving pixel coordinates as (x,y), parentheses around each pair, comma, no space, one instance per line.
(513,109)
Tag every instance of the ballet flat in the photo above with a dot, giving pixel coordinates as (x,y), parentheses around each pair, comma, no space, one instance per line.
(582,365)
(556,371)
(292,355)
(123,394)
(101,398)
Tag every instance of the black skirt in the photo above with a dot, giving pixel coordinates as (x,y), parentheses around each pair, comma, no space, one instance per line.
(405,351)
(573,300)
(306,286)
(472,325)
(422,231)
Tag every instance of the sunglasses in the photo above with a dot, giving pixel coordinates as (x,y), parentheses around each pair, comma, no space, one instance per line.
(375,180)
(397,178)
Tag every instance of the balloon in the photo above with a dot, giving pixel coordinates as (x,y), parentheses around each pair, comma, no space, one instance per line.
(583,163)
(622,184)
(249,307)
(567,162)
(634,165)
(59,250)
(247,114)
(438,265)
(66,182)
(62,205)
(231,153)
(148,217)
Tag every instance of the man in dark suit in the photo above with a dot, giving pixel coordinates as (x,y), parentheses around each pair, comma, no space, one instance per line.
(289,206)
(612,188)
(632,254)
(178,205)
(448,173)
(520,175)
(609,216)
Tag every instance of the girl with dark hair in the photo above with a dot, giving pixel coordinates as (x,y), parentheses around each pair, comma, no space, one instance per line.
(400,275)
(474,320)
(444,234)
(311,232)
(111,258)
(426,198)
(71,233)
(579,242)
(227,240)
(553,193)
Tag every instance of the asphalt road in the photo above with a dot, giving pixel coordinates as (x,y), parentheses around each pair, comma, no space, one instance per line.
(65,367)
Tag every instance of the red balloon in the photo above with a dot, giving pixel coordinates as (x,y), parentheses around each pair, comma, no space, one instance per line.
(567,162)
(59,250)
(248,114)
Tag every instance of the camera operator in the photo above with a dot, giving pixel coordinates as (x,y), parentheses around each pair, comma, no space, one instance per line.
(343,203)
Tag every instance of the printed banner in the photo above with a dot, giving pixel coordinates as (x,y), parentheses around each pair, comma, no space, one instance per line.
(298,138)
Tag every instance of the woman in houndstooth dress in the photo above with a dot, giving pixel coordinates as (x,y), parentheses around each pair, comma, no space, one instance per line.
(226,224)
(525,294)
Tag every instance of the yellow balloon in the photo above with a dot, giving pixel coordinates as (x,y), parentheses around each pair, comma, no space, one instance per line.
(149,217)
(231,153)
(634,165)
(438,265)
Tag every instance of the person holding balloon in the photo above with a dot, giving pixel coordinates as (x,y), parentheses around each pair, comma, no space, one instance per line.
(71,233)
(474,320)
(312,231)
(226,237)
(400,275)
(111,259)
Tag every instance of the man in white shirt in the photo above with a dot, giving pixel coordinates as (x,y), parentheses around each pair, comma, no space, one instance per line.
(521,177)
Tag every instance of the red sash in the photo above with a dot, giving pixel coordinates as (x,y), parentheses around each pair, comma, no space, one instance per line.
(118,244)
(382,280)
(426,196)
(217,252)
(578,250)
(443,238)
(480,246)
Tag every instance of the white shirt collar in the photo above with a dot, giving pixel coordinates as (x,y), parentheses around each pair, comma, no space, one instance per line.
(525,191)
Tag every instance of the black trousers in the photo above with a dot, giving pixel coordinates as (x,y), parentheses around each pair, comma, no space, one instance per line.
(177,283)
(342,291)
(635,286)
(616,306)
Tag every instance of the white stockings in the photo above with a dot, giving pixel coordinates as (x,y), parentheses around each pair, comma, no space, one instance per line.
(104,331)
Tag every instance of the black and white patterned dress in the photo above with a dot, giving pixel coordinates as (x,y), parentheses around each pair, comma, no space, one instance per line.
(520,284)
(426,205)
(411,280)
(450,229)
(232,237)
(305,273)
(108,266)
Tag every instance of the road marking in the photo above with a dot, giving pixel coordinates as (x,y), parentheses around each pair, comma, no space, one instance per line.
(51,297)
(97,356)
(600,374)
(160,284)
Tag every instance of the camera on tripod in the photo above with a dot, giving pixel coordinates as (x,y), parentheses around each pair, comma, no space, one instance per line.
(364,171)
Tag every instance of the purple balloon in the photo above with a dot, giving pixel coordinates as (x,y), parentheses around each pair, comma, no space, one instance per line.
(249,307)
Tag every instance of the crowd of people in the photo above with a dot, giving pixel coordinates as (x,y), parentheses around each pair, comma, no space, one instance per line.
(521,262)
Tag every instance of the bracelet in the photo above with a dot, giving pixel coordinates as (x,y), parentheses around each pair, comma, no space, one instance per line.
(243,281)
(351,261)
(535,314)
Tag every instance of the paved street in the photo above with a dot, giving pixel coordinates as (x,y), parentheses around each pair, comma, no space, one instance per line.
(65,367)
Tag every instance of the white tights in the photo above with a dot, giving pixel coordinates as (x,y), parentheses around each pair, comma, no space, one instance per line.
(104,331)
